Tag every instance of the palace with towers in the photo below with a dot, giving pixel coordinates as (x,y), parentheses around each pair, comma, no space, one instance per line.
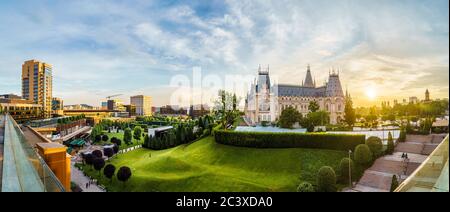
(265,102)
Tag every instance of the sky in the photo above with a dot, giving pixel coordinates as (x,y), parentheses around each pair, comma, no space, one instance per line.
(385,50)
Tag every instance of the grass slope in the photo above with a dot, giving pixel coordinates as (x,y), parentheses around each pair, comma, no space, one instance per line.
(208,166)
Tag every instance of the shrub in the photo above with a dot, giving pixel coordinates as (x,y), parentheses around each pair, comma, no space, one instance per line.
(98,163)
(402,136)
(115,149)
(109,170)
(394,183)
(375,146)
(390,144)
(305,187)
(97,138)
(108,152)
(97,153)
(326,180)
(289,140)
(105,138)
(88,158)
(124,174)
(363,155)
(127,137)
(344,165)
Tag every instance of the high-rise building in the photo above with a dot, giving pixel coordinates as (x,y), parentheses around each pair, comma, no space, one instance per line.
(143,105)
(116,104)
(37,84)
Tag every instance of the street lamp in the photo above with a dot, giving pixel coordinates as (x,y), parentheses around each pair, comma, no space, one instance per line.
(350,168)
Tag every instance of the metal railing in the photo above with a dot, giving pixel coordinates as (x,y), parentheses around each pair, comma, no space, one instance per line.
(29,164)
(432,174)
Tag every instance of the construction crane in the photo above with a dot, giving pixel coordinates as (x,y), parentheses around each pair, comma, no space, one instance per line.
(109,97)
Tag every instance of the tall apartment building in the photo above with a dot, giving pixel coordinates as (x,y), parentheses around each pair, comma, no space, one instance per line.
(143,105)
(37,84)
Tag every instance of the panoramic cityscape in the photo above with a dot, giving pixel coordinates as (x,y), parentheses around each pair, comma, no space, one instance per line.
(224,96)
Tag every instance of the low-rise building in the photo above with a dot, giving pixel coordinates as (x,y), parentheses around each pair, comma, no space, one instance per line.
(20,109)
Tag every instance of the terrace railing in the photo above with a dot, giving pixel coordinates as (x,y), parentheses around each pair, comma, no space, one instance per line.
(431,175)
(23,168)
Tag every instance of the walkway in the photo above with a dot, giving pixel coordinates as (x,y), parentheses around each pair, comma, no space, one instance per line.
(379,176)
(78,178)
(1,148)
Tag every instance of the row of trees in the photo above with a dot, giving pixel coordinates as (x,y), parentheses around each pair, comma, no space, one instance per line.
(68,120)
(182,133)
(95,160)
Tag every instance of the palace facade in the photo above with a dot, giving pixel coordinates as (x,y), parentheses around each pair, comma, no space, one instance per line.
(264,102)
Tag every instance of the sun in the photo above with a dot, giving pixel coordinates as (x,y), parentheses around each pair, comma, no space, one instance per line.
(371,93)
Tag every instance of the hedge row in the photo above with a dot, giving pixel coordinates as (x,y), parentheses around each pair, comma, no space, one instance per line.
(289,140)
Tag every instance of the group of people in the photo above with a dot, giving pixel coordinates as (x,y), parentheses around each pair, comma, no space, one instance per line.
(405,155)
(91,181)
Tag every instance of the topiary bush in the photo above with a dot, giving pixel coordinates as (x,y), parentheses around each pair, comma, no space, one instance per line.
(394,183)
(344,166)
(326,180)
(375,146)
(363,155)
(305,187)
(390,144)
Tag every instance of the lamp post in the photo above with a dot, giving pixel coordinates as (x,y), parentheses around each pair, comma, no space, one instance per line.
(350,168)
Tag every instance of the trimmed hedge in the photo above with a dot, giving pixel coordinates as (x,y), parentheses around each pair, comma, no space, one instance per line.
(289,140)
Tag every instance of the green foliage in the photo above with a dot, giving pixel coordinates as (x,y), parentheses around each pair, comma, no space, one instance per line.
(344,166)
(349,112)
(319,118)
(289,116)
(137,133)
(375,146)
(305,187)
(127,137)
(313,106)
(326,180)
(394,183)
(390,144)
(287,140)
(363,155)
(402,136)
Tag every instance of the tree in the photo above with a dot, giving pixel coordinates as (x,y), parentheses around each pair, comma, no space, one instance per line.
(394,183)
(105,138)
(109,170)
(326,180)
(88,158)
(375,146)
(363,155)
(349,112)
(319,118)
(390,144)
(108,152)
(344,166)
(124,174)
(137,133)
(127,138)
(313,106)
(289,116)
(97,138)
(402,136)
(305,187)
(97,153)
(115,148)
(234,102)
(98,163)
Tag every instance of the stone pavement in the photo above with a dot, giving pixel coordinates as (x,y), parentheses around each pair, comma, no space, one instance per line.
(379,176)
(78,178)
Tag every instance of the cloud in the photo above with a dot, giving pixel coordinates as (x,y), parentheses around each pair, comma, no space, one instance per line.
(108,47)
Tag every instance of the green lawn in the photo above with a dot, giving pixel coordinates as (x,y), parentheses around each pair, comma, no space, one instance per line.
(208,166)
(120,136)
